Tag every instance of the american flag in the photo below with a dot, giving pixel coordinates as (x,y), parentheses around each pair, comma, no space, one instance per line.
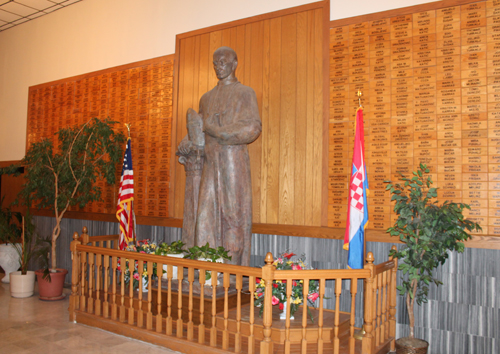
(125,207)
(357,209)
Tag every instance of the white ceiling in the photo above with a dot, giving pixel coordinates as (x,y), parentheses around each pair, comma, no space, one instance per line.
(16,12)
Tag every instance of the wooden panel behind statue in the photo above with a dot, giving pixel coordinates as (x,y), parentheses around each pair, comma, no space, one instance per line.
(216,145)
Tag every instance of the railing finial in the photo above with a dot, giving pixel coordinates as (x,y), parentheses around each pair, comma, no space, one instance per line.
(370,258)
(269,258)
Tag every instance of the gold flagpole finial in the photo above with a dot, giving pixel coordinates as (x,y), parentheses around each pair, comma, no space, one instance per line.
(359,94)
(128,128)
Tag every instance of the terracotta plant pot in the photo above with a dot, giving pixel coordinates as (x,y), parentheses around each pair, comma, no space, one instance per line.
(53,290)
(409,345)
(22,286)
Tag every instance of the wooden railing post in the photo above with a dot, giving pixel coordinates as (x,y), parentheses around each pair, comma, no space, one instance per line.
(85,236)
(392,300)
(368,342)
(266,345)
(75,277)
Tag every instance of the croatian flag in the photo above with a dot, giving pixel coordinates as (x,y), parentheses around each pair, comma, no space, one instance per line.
(125,207)
(357,210)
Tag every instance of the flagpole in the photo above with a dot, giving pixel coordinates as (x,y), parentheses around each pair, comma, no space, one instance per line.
(359,334)
(360,106)
(125,208)
(128,125)
(359,94)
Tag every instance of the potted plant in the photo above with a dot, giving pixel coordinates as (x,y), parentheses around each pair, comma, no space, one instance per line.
(10,233)
(61,176)
(175,249)
(429,232)
(208,254)
(22,282)
(284,262)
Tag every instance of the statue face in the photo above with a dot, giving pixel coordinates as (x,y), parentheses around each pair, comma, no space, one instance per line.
(224,65)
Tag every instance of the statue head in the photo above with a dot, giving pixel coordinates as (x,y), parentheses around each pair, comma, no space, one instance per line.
(225,63)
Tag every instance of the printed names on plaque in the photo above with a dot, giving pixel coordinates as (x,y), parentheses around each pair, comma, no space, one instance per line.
(139,95)
(431,94)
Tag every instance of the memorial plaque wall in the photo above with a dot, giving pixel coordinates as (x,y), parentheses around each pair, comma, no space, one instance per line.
(431,94)
(140,94)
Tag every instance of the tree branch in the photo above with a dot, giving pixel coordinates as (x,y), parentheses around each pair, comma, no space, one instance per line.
(56,194)
(71,149)
(86,147)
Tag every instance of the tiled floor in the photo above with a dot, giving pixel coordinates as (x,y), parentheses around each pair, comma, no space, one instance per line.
(37,327)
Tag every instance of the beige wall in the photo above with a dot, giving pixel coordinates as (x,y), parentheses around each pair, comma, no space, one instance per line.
(98,34)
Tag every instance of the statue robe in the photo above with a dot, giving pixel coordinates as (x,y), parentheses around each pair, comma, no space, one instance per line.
(224,215)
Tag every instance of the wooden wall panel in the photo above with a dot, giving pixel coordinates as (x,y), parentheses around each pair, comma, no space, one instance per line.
(430,93)
(138,93)
(280,55)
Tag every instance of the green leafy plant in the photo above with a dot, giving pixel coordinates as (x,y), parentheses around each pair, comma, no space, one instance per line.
(284,262)
(30,243)
(65,175)
(176,247)
(209,254)
(10,224)
(428,230)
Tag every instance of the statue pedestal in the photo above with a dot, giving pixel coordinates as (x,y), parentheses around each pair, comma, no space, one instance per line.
(197,299)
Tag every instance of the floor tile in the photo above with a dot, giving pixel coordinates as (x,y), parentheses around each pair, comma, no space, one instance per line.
(31,326)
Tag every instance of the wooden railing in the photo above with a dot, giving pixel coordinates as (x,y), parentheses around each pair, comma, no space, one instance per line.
(221,317)
(106,241)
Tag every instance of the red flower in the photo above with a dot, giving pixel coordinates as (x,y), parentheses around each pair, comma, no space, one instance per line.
(294,283)
(257,280)
(313,296)
(275,285)
(275,300)
(288,255)
(281,306)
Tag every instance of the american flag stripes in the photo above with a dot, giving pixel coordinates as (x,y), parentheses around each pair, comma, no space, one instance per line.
(125,207)
(357,209)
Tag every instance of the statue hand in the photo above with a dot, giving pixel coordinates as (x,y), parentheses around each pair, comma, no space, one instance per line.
(185,146)
(212,129)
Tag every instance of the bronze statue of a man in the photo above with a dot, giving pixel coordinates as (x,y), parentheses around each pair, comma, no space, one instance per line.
(229,118)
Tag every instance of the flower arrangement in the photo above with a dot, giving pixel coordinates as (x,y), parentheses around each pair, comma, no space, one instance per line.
(143,246)
(285,262)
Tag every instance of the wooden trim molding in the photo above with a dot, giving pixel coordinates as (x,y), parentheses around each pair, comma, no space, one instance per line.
(8,163)
(141,220)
